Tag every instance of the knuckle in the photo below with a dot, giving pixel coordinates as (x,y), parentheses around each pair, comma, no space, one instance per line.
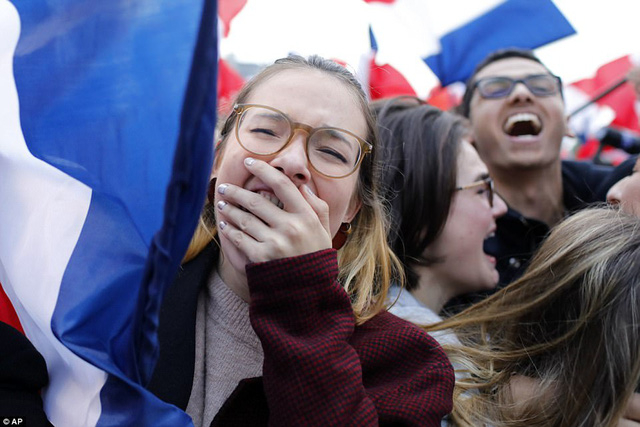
(291,229)
(255,201)
(245,222)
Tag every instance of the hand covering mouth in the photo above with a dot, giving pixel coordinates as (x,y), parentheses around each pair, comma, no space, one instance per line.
(271,197)
(522,124)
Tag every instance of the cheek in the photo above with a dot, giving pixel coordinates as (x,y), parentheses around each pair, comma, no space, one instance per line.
(472,221)
(338,196)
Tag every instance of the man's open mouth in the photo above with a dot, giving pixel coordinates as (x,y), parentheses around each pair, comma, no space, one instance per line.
(523,124)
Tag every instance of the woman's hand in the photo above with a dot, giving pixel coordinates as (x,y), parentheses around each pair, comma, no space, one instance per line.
(263,231)
(631,417)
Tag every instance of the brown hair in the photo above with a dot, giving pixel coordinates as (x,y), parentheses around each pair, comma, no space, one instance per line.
(421,145)
(570,326)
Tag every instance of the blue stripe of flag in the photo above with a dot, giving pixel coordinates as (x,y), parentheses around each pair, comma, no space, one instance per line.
(514,23)
(121,96)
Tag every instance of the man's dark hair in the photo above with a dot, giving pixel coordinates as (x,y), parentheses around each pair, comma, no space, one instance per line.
(512,52)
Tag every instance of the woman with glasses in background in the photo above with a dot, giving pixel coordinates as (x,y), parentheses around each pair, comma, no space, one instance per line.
(278,315)
(442,206)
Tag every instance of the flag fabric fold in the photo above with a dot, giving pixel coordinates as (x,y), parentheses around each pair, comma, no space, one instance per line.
(107,112)
(453,36)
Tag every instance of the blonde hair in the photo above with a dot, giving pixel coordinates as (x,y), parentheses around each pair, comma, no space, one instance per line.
(570,325)
(367,264)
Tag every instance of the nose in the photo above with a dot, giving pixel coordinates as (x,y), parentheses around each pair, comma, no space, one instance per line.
(292,160)
(520,93)
(499,206)
(614,195)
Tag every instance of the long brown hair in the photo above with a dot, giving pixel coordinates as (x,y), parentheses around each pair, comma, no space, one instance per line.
(421,144)
(367,264)
(570,325)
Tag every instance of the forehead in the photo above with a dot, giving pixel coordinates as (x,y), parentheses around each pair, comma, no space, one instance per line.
(512,67)
(470,167)
(312,97)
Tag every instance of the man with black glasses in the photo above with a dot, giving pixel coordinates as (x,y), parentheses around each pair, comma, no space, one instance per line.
(517,114)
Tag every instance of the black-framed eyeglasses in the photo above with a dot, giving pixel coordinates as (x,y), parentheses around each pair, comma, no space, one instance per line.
(488,188)
(500,87)
(332,152)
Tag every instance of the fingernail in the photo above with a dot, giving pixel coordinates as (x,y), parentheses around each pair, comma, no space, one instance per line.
(221,204)
(249,161)
(222,225)
(222,188)
(308,189)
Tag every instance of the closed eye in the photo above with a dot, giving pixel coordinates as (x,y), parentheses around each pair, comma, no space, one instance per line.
(333,153)
(264,131)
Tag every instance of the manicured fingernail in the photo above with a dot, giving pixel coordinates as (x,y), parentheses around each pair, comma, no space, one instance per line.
(221,204)
(308,189)
(222,225)
(222,188)
(249,161)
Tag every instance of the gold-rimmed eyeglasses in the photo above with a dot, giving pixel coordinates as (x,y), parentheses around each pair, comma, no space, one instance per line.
(488,188)
(332,152)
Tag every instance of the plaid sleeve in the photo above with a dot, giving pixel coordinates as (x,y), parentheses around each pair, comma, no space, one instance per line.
(313,375)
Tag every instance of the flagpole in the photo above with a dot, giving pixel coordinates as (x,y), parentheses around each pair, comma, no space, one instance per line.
(601,95)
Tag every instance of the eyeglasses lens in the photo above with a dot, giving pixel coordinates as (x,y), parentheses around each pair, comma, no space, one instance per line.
(499,87)
(331,151)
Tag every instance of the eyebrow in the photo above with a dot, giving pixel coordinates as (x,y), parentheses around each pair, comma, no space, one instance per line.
(271,115)
(481,176)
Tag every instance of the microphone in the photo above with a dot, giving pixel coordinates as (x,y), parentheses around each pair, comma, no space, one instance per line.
(625,140)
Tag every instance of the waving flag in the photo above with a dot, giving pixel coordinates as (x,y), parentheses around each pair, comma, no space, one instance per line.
(453,36)
(107,111)
(616,106)
(622,99)
(384,80)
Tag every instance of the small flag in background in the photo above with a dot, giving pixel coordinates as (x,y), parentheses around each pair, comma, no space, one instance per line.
(107,112)
(621,100)
(617,108)
(384,80)
(453,36)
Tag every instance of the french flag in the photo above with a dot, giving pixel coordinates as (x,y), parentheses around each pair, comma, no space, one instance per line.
(616,106)
(451,37)
(107,113)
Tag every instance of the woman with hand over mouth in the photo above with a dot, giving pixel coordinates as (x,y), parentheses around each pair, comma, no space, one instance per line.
(278,316)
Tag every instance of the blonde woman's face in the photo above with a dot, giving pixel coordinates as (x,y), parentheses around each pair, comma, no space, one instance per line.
(626,192)
(315,99)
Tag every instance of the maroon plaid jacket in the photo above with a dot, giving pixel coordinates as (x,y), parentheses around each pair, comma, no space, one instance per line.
(319,368)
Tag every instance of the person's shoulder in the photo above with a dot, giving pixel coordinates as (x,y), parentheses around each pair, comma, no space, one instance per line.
(23,373)
(599,178)
(387,329)
(583,182)
(411,372)
(577,168)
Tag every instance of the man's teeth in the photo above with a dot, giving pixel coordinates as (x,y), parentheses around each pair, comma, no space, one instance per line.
(272,198)
(523,124)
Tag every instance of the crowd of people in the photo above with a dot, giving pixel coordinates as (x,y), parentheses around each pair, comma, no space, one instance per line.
(390,263)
